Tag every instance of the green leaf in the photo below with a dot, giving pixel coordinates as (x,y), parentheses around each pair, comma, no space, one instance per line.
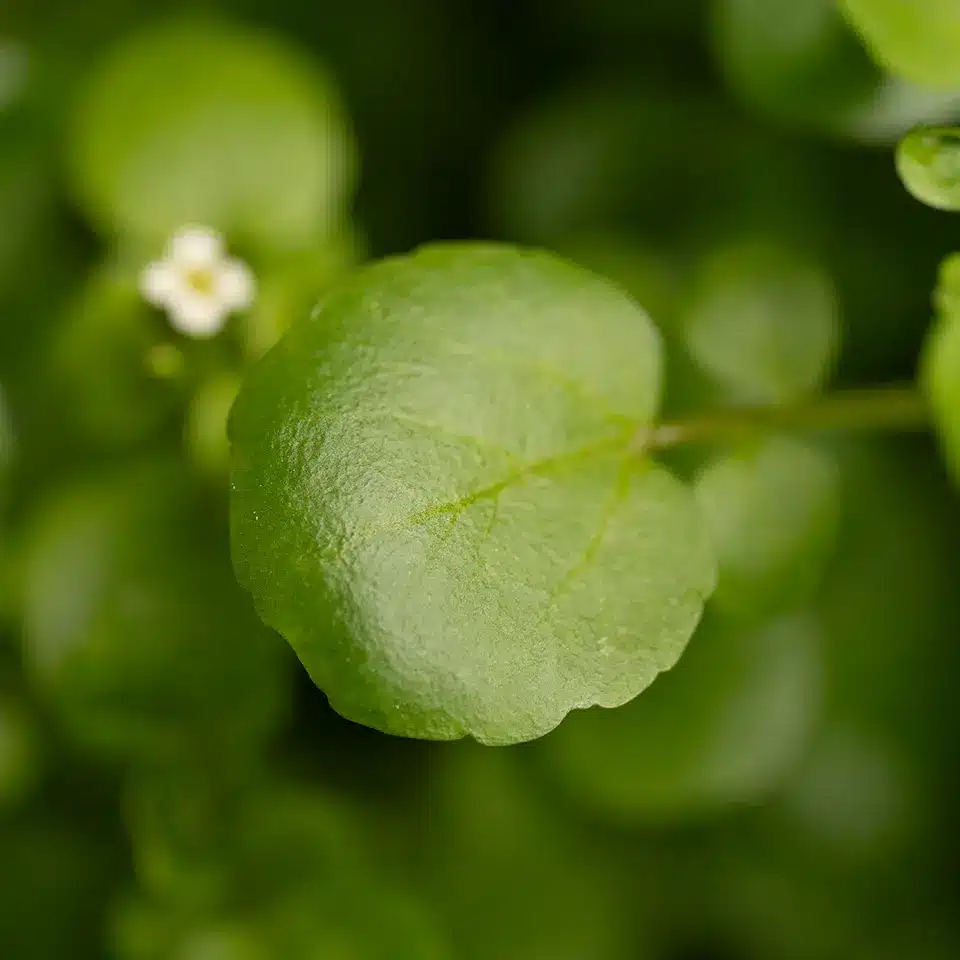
(928,161)
(917,39)
(772,508)
(763,322)
(435,499)
(656,280)
(99,375)
(513,878)
(206,428)
(19,752)
(725,726)
(288,289)
(610,154)
(6,442)
(798,61)
(55,876)
(133,626)
(940,362)
(940,377)
(200,122)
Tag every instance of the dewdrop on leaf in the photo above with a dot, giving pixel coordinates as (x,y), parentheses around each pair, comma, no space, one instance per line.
(197,284)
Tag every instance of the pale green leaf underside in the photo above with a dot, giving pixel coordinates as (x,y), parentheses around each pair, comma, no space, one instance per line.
(435,498)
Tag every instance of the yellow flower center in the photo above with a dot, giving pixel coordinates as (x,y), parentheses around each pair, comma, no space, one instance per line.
(201,280)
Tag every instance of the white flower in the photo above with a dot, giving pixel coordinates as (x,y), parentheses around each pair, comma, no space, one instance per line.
(197,284)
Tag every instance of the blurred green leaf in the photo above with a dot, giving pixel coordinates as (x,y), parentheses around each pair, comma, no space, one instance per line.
(6,442)
(100,374)
(26,203)
(515,881)
(940,363)
(206,431)
(133,626)
(772,508)
(887,605)
(199,122)
(20,753)
(610,154)
(725,726)
(795,59)
(270,867)
(287,290)
(443,514)
(928,161)
(918,39)
(941,380)
(763,322)
(54,881)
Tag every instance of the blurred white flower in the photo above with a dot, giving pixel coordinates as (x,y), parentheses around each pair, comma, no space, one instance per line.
(197,284)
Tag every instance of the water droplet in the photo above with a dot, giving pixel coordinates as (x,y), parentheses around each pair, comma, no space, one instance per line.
(928,161)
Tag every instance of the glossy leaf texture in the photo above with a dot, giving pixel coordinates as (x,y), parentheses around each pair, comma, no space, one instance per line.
(196,121)
(133,627)
(436,500)
(726,726)
(928,161)
(773,509)
(763,322)
(917,39)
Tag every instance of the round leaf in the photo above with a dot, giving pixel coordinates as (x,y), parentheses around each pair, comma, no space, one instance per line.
(724,726)
(928,161)
(763,322)
(918,39)
(199,122)
(773,511)
(435,499)
(795,60)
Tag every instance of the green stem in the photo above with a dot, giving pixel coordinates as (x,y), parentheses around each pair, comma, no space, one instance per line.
(882,408)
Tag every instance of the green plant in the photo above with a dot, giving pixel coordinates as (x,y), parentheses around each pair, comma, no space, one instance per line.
(645,506)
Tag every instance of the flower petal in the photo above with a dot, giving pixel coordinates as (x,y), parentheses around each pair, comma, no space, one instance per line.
(235,285)
(193,248)
(197,315)
(159,282)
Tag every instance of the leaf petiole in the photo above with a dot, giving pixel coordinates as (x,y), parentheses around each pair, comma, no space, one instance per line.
(895,407)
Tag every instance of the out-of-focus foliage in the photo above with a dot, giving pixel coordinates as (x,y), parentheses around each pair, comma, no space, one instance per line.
(172,784)
(772,510)
(918,39)
(197,122)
